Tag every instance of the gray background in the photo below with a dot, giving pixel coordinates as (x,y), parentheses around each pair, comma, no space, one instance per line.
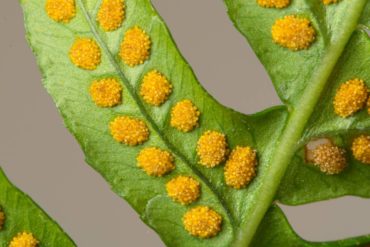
(43,159)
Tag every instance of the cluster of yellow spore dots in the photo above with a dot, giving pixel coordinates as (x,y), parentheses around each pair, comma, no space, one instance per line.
(106,92)
(135,47)
(61,10)
(329,158)
(111,14)
(155,88)
(184,116)
(327,2)
(202,222)
(183,189)
(361,148)
(155,162)
(24,239)
(2,218)
(350,97)
(295,33)
(85,53)
(212,148)
(274,3)
(129,130)
(240,168)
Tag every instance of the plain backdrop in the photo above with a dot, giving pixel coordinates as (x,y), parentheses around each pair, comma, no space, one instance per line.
(43,159)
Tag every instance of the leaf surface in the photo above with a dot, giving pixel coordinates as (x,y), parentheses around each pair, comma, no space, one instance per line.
(276,229)
(304,80)
(23,215)
(303,183)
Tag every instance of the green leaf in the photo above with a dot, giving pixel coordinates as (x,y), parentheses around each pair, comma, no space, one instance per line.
(365,19)
(276,229)
(23,215)
(305,81)
(303,184)
(341,55)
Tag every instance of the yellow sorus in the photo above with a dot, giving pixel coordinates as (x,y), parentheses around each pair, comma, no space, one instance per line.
(61,10)
(183,189)
(2,219)
(361,148)
(212,148)
(368,105)
(273,3)
(85,53)
(135,47)
(111,14)
(202,222)
(155,88)
(106,92)
(240,168)
(24,239)
(329,158)
(295,33)
(350,97)
(184,116)
(329,1)
(155,162)
(129,130)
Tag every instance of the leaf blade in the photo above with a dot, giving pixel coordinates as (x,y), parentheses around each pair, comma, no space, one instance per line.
(324,123)
(275,230)
(114,161)
(306,89)
(22,214)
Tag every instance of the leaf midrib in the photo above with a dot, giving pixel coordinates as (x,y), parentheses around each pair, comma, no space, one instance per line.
(298,118)
(146,115)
